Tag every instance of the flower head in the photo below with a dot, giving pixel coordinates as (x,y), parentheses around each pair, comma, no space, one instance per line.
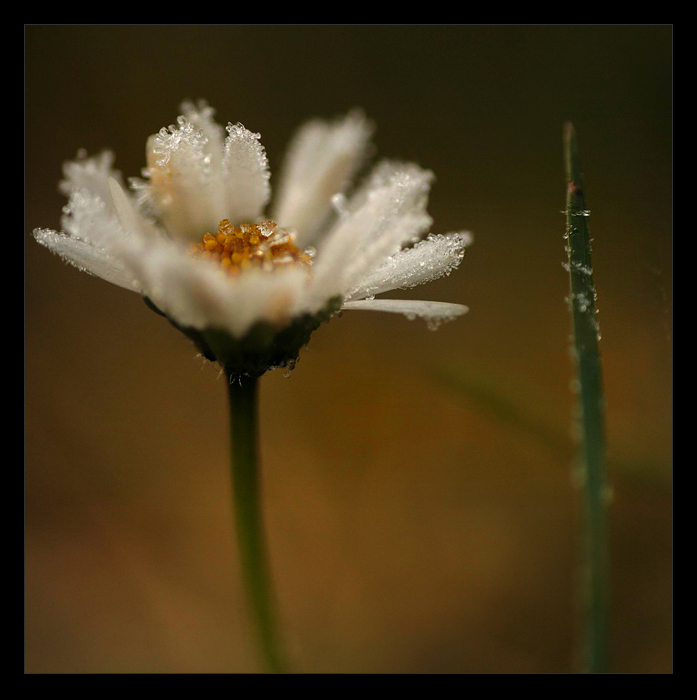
(191,236)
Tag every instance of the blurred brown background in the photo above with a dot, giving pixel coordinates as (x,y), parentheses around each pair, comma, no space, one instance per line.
(411,527)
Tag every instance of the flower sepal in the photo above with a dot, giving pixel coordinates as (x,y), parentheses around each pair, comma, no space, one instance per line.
(265,346)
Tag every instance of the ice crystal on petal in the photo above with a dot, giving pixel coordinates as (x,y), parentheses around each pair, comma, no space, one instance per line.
(200,116)
(388,212)
(434,257)
(89,217)
(87,257)
(246,171)
(90,174)
(187,195)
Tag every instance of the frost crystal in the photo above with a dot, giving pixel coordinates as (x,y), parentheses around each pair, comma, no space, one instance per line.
(428,260)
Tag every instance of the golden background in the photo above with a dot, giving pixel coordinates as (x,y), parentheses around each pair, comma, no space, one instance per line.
(412,528)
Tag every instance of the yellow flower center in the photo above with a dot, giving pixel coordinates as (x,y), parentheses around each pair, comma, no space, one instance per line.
(264,246)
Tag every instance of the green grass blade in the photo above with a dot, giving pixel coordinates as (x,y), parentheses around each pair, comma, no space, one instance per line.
(586,335)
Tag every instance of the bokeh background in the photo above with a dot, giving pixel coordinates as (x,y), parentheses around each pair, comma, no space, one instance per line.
(418,486)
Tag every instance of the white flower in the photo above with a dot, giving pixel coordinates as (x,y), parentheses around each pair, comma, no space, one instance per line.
(192,238)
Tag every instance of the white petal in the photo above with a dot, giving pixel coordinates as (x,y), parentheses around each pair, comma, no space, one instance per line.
(186,191)
(130,218)
(91,174)
(246,173)
(87,257)
(426,261)
(258,296)
(197,293)
(388,212)
(90,218)
(201,116)
(434,312)
(321,160)
(408,220)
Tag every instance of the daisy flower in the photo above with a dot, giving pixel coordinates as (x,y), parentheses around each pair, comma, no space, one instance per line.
(249,287)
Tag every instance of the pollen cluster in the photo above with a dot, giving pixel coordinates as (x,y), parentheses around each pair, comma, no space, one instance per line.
(264,246)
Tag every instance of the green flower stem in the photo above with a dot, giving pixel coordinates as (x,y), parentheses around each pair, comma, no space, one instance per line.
(244,432)
(592,418)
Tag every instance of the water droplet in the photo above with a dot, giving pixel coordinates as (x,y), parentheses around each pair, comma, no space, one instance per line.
(339,202)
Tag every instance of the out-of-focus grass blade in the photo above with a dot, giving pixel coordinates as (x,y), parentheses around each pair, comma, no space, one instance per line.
(494,397)
(591,414)
(516,404)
